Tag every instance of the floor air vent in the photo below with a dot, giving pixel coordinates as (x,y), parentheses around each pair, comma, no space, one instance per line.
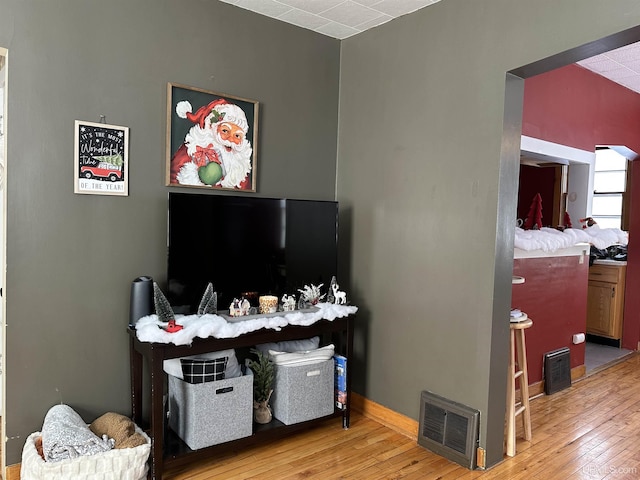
(449,429)
(557,370)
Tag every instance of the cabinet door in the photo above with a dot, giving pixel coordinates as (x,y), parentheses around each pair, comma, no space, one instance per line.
(600,308)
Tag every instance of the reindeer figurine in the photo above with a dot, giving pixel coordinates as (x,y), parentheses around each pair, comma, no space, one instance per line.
(341,297)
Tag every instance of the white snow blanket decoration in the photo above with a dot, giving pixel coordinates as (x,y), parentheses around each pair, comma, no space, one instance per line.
(550,239)
(204,326)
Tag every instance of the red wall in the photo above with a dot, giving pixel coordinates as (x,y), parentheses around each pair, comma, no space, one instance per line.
(554,296)
(535,180)
(575,107)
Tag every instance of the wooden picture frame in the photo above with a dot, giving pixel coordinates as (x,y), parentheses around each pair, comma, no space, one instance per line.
(212,140)
(101,159)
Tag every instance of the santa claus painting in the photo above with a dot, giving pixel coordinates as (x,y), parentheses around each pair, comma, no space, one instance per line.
(210,141)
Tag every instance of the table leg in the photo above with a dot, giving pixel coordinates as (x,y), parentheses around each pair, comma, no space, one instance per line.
(136,383)
(346,419)
(157,414)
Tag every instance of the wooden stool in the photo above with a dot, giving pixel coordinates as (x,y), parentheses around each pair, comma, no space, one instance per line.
(518,343)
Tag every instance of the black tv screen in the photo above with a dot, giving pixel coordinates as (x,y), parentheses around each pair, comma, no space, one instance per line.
(247,244)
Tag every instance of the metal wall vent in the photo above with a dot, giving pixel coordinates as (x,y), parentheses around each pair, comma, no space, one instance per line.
(449,429)
(557,370)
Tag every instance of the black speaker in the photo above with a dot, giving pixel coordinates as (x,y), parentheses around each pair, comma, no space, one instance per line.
(141,299)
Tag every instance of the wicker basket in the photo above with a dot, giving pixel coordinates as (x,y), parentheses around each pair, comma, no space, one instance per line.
(116,464)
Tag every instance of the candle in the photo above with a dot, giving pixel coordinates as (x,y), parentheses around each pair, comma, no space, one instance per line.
(268,304)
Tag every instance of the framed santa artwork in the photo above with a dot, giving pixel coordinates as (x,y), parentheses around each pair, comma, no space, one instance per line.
(212,139)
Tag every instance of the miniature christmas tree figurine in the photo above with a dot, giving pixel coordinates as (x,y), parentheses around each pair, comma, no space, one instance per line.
(164,310)
(301,303)
(209,302)
(332,288)
(534,217)
(567,220)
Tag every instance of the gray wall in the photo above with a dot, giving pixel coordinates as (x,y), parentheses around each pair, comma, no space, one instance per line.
(71,258)
(427,216)
(428,164)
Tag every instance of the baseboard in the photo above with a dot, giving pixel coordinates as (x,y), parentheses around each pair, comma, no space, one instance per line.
(393,420)
(610,342)
(578,372)
(12,472)
(408,426)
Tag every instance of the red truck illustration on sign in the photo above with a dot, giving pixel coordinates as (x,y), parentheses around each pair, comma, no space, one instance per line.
(102,170)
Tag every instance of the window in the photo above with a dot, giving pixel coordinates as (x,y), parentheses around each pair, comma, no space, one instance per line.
(609,186)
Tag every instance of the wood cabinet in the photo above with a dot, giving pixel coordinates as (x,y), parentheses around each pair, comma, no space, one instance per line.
(605,300)
(166,448)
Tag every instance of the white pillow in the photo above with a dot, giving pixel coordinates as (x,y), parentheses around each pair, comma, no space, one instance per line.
(302,358)
(291,345)
(173,366)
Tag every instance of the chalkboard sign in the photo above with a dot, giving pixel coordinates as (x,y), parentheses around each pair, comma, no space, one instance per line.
(101,159)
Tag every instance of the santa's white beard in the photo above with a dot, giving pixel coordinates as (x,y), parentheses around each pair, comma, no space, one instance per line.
(198,137)
(236,165)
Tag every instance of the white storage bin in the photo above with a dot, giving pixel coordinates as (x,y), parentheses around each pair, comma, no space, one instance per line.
(303,392)
(210,413)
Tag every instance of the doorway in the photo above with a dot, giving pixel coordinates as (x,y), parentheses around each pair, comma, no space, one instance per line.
(579,185)
(3,149)
(599,357)
(610,206)
(595,359)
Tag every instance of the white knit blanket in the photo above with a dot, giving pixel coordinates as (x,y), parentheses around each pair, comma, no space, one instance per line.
(205,326)
(65,435)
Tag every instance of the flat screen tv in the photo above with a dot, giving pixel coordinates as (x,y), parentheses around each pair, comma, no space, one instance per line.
(247,244)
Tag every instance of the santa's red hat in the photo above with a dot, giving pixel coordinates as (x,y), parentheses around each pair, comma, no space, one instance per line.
(233,114)
(184,108)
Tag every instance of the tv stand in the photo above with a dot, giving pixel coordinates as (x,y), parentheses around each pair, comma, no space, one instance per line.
(167,449)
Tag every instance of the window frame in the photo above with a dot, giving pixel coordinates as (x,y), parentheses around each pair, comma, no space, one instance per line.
(623,215)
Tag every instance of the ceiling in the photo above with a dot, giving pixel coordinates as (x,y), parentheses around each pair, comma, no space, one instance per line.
(343,18)
(335,18)
(621,65)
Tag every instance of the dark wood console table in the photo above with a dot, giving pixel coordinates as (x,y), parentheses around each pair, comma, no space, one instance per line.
(166,448)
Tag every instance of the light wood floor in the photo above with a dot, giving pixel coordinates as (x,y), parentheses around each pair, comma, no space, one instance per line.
(589,431)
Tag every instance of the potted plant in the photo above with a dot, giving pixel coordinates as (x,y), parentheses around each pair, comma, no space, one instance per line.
(263,375)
